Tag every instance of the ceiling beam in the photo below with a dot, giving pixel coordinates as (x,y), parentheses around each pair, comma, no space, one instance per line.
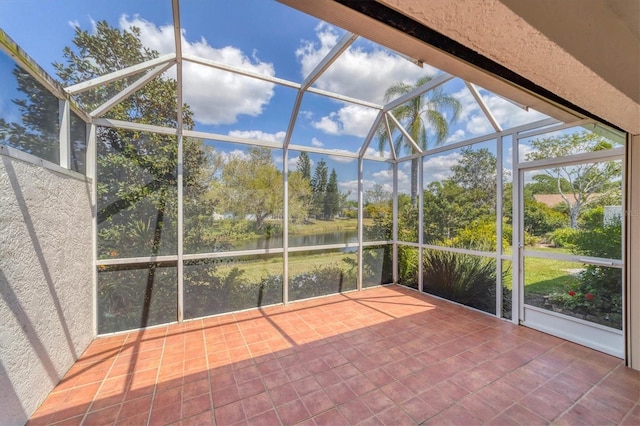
(117,75)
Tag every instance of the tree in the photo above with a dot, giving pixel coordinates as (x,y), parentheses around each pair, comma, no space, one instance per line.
(546,184)
(445,210)
(249,185)
(299,197)
(137,172)
(319,187)
(332,197)
(468,195)
(37,132)
(476,172)
(420,113)
(303,165)
(137,175)
(377,195)
(585,181)
(300,191)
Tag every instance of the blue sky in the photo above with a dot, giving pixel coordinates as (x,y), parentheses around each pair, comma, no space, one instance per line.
(265,37)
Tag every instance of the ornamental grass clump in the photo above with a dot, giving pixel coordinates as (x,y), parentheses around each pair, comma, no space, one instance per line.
(466,279)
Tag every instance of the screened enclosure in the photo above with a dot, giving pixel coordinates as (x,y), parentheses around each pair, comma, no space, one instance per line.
(228,175)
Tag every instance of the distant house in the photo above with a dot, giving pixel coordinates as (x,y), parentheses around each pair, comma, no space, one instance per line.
(550,200)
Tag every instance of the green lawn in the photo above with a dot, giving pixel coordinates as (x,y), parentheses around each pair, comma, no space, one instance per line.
(254,271)
(317,226)
(544,276)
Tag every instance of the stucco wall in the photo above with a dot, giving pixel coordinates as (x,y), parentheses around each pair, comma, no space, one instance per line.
(491,28)
(46,295)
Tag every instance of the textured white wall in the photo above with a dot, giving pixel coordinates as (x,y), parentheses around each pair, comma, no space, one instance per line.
(46,295)
(492,29)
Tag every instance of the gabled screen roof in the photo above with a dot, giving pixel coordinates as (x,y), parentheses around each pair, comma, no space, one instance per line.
(259,70)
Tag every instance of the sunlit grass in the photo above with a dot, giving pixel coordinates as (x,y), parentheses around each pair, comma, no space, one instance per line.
(544,276)
(255,271)
(316,226)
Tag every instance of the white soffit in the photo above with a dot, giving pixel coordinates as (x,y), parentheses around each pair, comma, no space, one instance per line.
(350,20)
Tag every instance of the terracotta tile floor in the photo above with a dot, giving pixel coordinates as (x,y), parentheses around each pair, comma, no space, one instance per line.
(385,356)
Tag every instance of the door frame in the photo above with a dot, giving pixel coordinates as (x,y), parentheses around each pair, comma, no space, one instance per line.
(596,336)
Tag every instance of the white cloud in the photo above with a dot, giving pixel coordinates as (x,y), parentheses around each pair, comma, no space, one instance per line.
(73,24)
(479,125)
(439,168)
(259,135)
(292,162)
(358,72)
(457,136)
(316,142)
(341,159)
(350,186)
(373,152)
(306,114)
(215,97)
(385,177)
(327,124)
(476,123)
(236,153)
(382,177)
(507,114)
(523,150)
(352,120)
(385,186)
(504,112)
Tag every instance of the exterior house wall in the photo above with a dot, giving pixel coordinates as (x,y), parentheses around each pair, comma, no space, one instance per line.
(46,283)
(494,30)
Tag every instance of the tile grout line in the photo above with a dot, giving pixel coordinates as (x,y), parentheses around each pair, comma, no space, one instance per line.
(457,402)
(543,374)
(206,356)
(113,362)
(266,390)
(629,413)
(591,389)
(155,384)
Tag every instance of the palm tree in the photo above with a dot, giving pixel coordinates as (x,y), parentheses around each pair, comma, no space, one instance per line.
(416,115)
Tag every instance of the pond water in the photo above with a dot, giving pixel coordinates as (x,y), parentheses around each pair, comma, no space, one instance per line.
(336,237)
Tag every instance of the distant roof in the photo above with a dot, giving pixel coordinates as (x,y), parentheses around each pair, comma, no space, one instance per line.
(550,200)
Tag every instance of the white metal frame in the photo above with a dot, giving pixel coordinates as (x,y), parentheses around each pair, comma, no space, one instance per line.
(157,66)
(605,339)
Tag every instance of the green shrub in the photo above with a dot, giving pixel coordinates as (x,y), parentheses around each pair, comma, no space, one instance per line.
(321,281)
(598,292)
(564,237)
(507,236)
(478,235)
(540,219)
(408,265)
(605,283)
(592,218)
